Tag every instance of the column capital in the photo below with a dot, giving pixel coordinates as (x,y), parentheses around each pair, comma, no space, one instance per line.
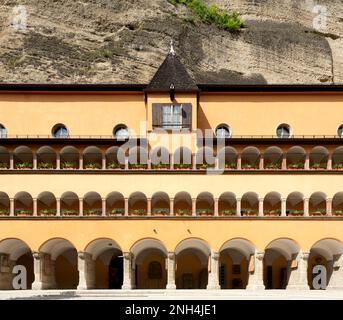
(304,255)
(37,255)
(259,255)
(127,255)
(215,255)
(171,255)
(81,255)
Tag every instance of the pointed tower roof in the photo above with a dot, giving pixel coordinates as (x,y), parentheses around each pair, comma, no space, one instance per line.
(172,73)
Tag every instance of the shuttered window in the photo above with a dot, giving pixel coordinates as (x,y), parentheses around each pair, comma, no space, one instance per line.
(172,116)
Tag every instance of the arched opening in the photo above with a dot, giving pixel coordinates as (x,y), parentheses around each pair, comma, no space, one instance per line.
(337,204)
(223,131)
(23,158)
(92,158)
(160,204)
(326,253)
(205,204)
(234,261)
(4,204)
(317,204)
(227,204)
(272,204)
(138,158)
(106,261)
(15,252)
(23,204)
(278,258)
(228,158)
(251,158)
(92,204)
(60,131)
(295,204)
(183,158)
(150,264)
(70,157)
(4,158)
(319,158)
(70,205)
(160,158)
(183,204)
(205,158)
(59,259)
(138,204)
(273,158)
(192,257)
(296,157)
(337,158)
(249,204)
(46,204)
(46,158)
(115,204)
(115,158)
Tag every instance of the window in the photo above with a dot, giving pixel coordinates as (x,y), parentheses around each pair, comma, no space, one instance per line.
(223,131)
(3,131)
(172,117)
(121,132)
(283,131)
(340,131)
(60,131)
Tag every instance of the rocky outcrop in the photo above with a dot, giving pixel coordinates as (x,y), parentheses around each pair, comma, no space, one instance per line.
(125,41)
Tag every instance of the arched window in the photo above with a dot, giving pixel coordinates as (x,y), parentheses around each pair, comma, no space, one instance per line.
(340,131)
(155,270)
(3,131)
(283,131)
(223,131)
(60,131)
(121,132)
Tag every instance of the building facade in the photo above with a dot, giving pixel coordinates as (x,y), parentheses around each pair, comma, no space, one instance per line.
(171,185)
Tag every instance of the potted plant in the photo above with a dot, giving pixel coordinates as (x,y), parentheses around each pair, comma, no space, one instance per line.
(45,165)
(23,213)
(231,165)
(273,166)
(68,165)
(205,212)
(183,166)
(160,166)
(114,165)
(4,212)
(92,166)
(24,165)
(69,212)
(227,212)
(338,166)
(249,212)
(248,166)
(338,213)
(161,211)
(117,212)
(4,165)
(92,212)
(319,166)
(47,212)
(205,166)
(318,212)
(296,213)
(272,213)
(296,166)
(183,212)
(138,212)
(138,166)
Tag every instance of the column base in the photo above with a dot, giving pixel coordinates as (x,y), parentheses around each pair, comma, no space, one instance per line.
(297,287)
(213,287)
(254,287)
(82,287)
(37,285)
(126,287)
(171,287)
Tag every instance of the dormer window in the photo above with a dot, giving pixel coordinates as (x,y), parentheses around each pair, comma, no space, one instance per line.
(172,116)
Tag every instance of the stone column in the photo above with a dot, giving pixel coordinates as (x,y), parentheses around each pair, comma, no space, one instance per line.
(103,161)
(306,207)
(103,205)
(283,207)
(284,161)
(307,162)
(255,281)
(11,161)
(298,276)
(194,161)
(127,271)
(149,206)
(35,207)
(126,206)
(329,207)
(329,164)
(171,208)
(194,207)
(81,207)
(37,270)
(58,207)
(12,207)
(81,161)
(239,161)
(149,164)
(171,271)
(126,163)
(58,161)
(213,272)
(260,207)
(336,280)
(261,165)
(34,161)
(82,268)
(216,207)
(171,161)
(238,207)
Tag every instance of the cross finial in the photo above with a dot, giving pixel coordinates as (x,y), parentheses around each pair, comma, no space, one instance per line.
(172,51)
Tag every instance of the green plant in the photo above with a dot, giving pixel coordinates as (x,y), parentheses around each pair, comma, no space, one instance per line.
(249,166)
(298,165)
(205,211)
(183,166)
(213,15)
(138,166)
(183,212)
(69,212)
(24,165)
(23,212)
(160,166)
(338,213)
(161,211)
(296,212)
(45,165)
(68,165)
(4,212)
(318,212)
(228,212)
(3,165)
(139,212)
(117,211)
(319,166)
(232,165)
(92,212)
(338,166)
(249,212)
(47,212)
(275,212)
(273,166)
(205,166)
(92,165)
(113,165)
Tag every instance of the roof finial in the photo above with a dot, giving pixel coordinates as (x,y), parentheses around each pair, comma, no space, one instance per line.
(172,51)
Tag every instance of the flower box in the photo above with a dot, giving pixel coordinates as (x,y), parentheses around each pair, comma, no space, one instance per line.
(227,213)
(4,212)
(205,212)
(160,166)
(69,165)
(319,166)
(23,213)
(92,212)
(161,211)
(183,166)
(205,166)
(296,213)
(273,166)
(23,165)
(230,166)
(138,212)
(92,166)
(249,167)
(296,166)
(47,212)
(338,166)
(318,213)
(4,165)
(45,165)
(249,213)
(138,166)
(69,212)
(116,212)
(115,166)
(272,213)
(338,213)
(183,212)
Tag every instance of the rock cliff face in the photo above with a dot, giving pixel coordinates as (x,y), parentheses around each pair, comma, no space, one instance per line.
(125,41)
